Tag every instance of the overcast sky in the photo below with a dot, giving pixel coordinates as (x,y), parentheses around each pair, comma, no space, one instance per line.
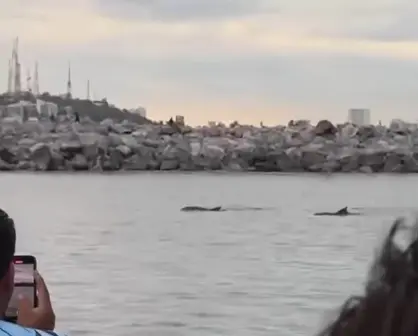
(251,60)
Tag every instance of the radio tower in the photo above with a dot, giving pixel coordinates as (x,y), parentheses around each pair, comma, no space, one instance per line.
(10,77)
(17,83)
(28,81)
(88,89)
(69,95)
(36,80)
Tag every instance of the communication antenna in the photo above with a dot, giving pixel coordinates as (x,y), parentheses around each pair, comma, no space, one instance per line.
(36,80)
(69,86)
(88,89)
(10,77)
(28,81)
(17,79)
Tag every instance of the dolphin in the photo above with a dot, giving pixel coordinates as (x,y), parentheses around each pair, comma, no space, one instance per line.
(199,208)
(341,212)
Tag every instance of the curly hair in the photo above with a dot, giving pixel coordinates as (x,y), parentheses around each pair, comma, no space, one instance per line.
(389,305)
(7,242)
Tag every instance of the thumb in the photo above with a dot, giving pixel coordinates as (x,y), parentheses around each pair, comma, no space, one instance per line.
(24,305)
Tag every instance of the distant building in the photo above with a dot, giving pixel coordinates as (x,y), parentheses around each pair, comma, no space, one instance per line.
(179,120)
(139,110)
(46,109)
(20,111)
(359,117)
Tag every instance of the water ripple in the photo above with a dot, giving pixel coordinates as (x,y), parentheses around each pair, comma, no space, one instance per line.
(121,258)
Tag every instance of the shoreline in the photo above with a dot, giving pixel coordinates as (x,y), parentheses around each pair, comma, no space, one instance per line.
(126,147)
(208,173)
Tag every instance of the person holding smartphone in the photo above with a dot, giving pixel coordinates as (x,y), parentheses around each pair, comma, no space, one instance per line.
(31,320)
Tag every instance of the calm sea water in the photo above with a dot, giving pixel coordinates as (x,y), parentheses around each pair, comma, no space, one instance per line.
(120,257)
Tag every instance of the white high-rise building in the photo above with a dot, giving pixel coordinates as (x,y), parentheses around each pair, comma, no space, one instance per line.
(46,109)
(359,117)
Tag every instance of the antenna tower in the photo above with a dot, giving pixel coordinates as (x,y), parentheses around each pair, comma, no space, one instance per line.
(69,88)
(17,79)
(88,89)
(28,81)
(36,80)
(10,77)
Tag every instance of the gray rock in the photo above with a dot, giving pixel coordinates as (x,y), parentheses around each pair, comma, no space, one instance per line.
(114,140)
(26,142)
(7,156)
(374,160)
(72,147)
(325,127)
(114,161)
(137,162)
(41,156)
(410,164)
(313,161)
(350,163)
(287,162)
(235,165)
(151,143)
(189,166)
(25,165)
(169,164)
(79,162)
(331,166)
(111,146)
(153,165)
(393,163)
(365,170)
(5,166)
(124,150)
(129,141)
(167,130)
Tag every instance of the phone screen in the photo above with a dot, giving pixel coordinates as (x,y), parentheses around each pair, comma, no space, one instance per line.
(24,284)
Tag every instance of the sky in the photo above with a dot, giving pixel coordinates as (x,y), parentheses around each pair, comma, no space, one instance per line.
(224,60)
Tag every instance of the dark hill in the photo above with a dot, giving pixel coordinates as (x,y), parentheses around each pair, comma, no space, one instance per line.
(96,111)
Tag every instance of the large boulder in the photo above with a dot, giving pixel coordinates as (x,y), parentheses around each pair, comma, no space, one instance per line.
(41,156)
(79,163)
(7,156)
(325,127)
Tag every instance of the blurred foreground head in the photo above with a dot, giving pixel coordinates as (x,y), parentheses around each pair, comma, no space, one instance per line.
(7,251)
(389,305)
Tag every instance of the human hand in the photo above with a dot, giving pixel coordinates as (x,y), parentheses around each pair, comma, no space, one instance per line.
(41,317)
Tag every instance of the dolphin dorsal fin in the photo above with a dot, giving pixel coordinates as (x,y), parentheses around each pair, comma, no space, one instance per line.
(343,210)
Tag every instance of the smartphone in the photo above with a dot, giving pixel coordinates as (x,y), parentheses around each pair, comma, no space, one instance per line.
(25,267)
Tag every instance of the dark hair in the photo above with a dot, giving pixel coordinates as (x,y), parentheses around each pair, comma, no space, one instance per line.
(389,305)
(7,242)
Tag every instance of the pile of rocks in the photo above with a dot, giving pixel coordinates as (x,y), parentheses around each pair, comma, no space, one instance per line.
(300,146)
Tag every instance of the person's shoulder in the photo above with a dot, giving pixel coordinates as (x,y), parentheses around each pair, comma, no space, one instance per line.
(11,329)
(46,333)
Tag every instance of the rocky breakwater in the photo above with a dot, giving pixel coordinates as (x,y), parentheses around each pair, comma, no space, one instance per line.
(300,146)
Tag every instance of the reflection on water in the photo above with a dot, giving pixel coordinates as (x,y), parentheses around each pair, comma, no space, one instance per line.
(119,255)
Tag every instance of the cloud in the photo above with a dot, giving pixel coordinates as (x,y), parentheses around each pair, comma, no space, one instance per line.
(57,23)
(387,20)
(401,26)
(372,20)
(185,10)
(224,60)
(197,28)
